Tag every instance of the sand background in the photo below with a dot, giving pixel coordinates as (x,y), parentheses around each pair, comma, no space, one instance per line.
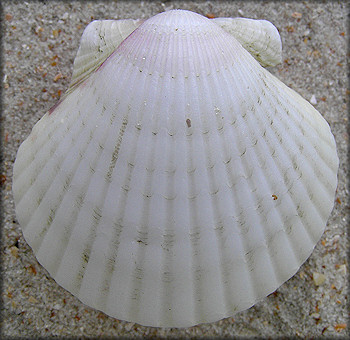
(39,43)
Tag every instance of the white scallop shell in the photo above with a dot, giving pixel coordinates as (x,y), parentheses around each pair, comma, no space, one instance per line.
(178,183)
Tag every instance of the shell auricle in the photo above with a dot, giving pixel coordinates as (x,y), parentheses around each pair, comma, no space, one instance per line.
(177,182)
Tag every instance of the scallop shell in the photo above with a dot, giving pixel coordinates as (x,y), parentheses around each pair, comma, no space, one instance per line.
(177,182)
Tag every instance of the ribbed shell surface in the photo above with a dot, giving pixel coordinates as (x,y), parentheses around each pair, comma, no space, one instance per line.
(180,183)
